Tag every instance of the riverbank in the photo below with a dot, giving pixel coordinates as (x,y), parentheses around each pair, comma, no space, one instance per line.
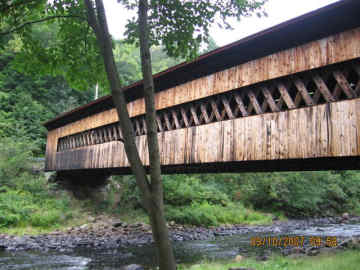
(106,248)
(349,260)
(111,233)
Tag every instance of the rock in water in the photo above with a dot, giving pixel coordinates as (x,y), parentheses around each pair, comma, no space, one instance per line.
(118,223)
(238,258)
(312,251)
(132,267)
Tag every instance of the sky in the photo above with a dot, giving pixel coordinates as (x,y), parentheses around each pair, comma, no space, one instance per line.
(278,11)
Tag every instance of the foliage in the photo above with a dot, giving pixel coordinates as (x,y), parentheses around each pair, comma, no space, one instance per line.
(179,190)
(182,26)
(55,40)
(14,160)
(21,208)
(25,198)
(303,194)
(209,199)
(27,102)
(186,189)
(207,214)
(127,59)
(189,200)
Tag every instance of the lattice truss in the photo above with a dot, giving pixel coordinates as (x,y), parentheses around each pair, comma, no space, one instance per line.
(309,88)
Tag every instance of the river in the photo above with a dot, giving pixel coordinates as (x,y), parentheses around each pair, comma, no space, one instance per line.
(188,252)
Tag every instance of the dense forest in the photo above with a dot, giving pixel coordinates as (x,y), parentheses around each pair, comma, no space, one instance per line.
(28,99)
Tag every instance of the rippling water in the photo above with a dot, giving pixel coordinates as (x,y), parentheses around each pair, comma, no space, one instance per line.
(185,252)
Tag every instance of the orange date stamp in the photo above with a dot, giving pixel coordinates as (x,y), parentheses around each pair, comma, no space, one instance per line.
(292,241)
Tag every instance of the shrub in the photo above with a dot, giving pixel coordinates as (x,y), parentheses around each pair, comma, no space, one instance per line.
(14,160)
(303,194)
(178,190)
(45,218)
(206,214)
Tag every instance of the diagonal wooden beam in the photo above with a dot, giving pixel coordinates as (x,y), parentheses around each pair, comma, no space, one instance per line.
(269,99)
(285,95)
(304,92)
(321,85)
(227,107)
(240,104)
(167,121)
(357,70)
(194,116)
(344,84)
(158,121)
(204,113)
(215,110)
(254,102)
(184,117)
(175,119)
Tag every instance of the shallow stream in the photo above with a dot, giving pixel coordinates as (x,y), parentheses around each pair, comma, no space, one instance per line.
(223,247)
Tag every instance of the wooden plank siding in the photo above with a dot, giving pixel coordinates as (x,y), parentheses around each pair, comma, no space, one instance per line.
(334,49)
(329,130)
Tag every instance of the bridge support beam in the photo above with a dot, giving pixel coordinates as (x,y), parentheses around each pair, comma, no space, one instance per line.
(83,184)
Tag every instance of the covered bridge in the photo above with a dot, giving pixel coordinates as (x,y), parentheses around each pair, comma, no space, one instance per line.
(287,98)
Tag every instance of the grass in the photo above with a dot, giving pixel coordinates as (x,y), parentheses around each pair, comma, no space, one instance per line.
(133,216)
(347,260)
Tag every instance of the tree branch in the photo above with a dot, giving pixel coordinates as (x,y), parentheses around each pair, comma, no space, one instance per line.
(39,21)
(91,18)
(5,8)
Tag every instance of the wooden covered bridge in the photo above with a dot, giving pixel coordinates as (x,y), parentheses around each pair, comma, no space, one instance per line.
(287,98)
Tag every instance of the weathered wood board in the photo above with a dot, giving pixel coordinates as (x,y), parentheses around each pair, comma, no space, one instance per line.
(334,49)
(329,130)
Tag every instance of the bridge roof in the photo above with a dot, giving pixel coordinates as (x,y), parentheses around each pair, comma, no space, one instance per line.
(329,20)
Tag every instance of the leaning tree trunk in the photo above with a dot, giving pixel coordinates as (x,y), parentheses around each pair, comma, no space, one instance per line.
(152,193)
(157,217)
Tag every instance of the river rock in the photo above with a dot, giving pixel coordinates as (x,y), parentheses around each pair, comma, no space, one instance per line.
(350,243)
(132,267)
(136,225)
(345,216)
(312,251)
(91,219)
(238,258)
(119,223)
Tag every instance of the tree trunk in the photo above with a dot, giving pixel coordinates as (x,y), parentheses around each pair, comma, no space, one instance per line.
(157,217)
(152,193)
(99,25)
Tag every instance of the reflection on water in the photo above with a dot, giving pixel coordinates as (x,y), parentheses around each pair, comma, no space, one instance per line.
(185,252)
(39,261)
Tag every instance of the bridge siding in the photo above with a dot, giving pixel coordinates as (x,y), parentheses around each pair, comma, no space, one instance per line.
(337,48)
(329,130)
(330,50)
